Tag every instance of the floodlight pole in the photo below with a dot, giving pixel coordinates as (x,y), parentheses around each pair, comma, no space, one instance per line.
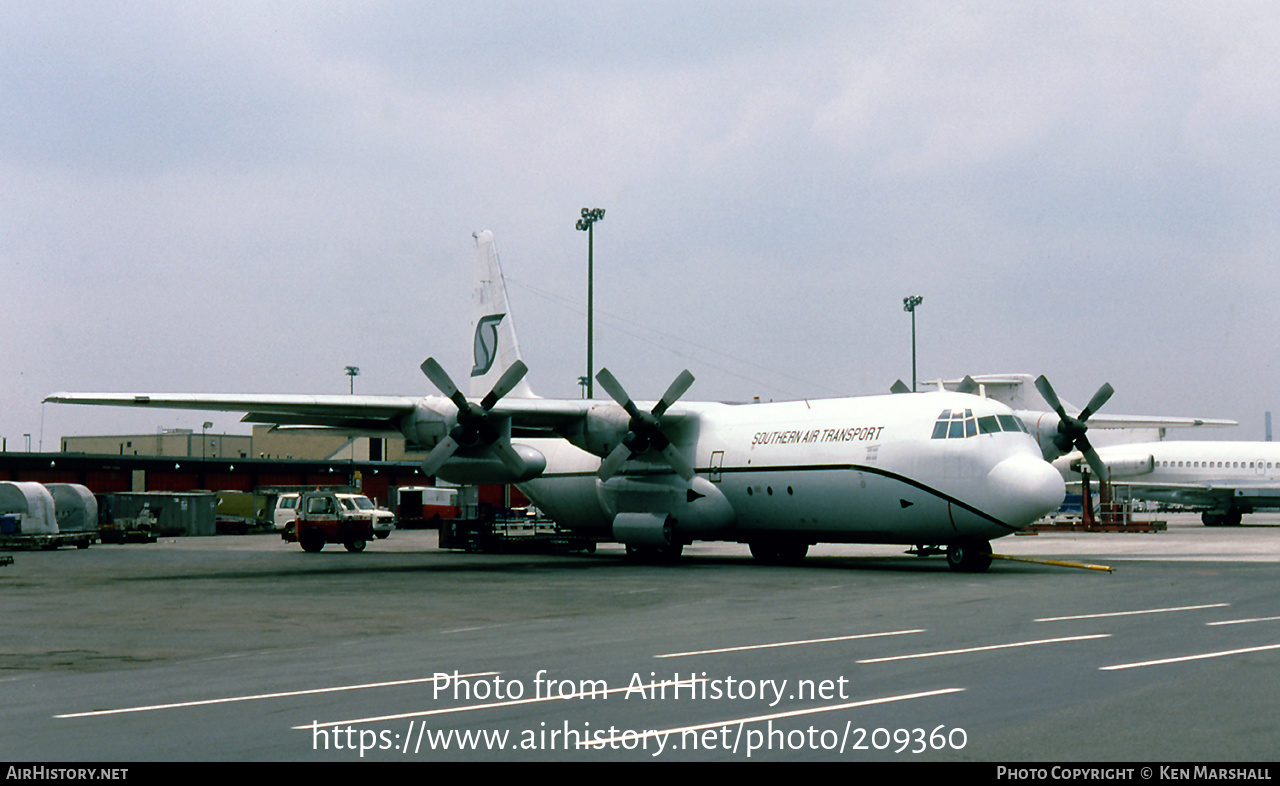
(909,304)
(586,224)
(353,372)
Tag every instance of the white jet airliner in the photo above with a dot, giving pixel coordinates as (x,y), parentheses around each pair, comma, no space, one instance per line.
(933,470)
(1223,480)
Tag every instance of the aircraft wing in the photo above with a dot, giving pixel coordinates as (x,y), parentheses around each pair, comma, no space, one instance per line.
(532,417)
(1146,421)
(529,417)
(364,414)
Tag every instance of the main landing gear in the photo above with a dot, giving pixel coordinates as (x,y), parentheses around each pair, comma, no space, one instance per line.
(969,555)
(1221,518)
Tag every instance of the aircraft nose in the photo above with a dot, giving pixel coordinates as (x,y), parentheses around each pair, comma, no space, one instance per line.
(1026,488)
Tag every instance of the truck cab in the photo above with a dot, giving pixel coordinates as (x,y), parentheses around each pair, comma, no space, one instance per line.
(323,517)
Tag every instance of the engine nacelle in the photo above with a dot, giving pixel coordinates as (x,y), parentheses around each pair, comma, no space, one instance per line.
(483,469)
(642,529)
(601,430)
(1131,466)
(652,510)
(1122,467)
(429,422)
(1044,427)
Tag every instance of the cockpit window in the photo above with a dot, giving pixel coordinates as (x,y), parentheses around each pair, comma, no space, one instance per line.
(1011,423)
(957,424)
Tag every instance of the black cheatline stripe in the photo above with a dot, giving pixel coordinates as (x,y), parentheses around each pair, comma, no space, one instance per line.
(819,468)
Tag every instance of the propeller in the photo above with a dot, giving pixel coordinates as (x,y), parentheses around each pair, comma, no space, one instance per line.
(645,428)
(476,428)
(1071,430)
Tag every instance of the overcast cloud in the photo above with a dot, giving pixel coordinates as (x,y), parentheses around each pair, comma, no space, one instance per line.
(248,197)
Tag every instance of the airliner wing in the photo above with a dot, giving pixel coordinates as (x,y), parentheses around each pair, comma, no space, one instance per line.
(1146,421)
(364,414)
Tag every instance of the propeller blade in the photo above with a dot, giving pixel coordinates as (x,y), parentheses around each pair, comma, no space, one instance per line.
(509,457)
(614,388)
(677,389)
(899,387)
(1099,398)
(505,384)
(1095,461)
(613,462)
(440,378)
(441,453)
(678,462)
(968,385)
(1046,390)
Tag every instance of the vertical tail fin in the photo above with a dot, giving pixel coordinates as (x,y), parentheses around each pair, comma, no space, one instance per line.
(493,330)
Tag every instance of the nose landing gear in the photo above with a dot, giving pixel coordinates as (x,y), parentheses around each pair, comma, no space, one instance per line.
(969,555)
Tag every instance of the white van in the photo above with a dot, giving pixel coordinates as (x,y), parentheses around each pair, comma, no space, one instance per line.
(383,520)
(286,510)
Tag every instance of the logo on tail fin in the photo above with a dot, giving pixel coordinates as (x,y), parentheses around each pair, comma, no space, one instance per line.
(486,344)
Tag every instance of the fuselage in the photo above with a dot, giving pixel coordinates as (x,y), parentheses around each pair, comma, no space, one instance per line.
(926,468)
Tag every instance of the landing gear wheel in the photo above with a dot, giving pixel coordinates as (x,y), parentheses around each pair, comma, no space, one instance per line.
(1229,518)
(355,544)
(969,555)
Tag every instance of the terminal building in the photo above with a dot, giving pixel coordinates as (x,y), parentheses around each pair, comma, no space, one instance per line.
(267,461)
(187,460)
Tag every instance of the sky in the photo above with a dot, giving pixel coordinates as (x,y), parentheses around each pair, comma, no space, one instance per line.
(248,197)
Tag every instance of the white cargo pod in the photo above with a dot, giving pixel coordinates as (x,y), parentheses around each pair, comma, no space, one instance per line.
(31,505)
(75,507)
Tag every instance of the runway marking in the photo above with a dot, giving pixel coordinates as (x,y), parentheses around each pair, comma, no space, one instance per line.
(495,704)
(1129,613)
(772,716)
(789,643)
(1241,622)
(1203,656)
(987,648)
(256,697)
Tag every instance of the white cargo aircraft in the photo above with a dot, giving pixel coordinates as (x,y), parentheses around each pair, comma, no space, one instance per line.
(934,470)
(1224,480)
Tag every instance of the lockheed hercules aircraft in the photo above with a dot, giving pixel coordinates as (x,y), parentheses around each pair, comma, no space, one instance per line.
(937,470)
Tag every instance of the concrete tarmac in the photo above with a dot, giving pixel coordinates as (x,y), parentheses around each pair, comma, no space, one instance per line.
(248,649)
